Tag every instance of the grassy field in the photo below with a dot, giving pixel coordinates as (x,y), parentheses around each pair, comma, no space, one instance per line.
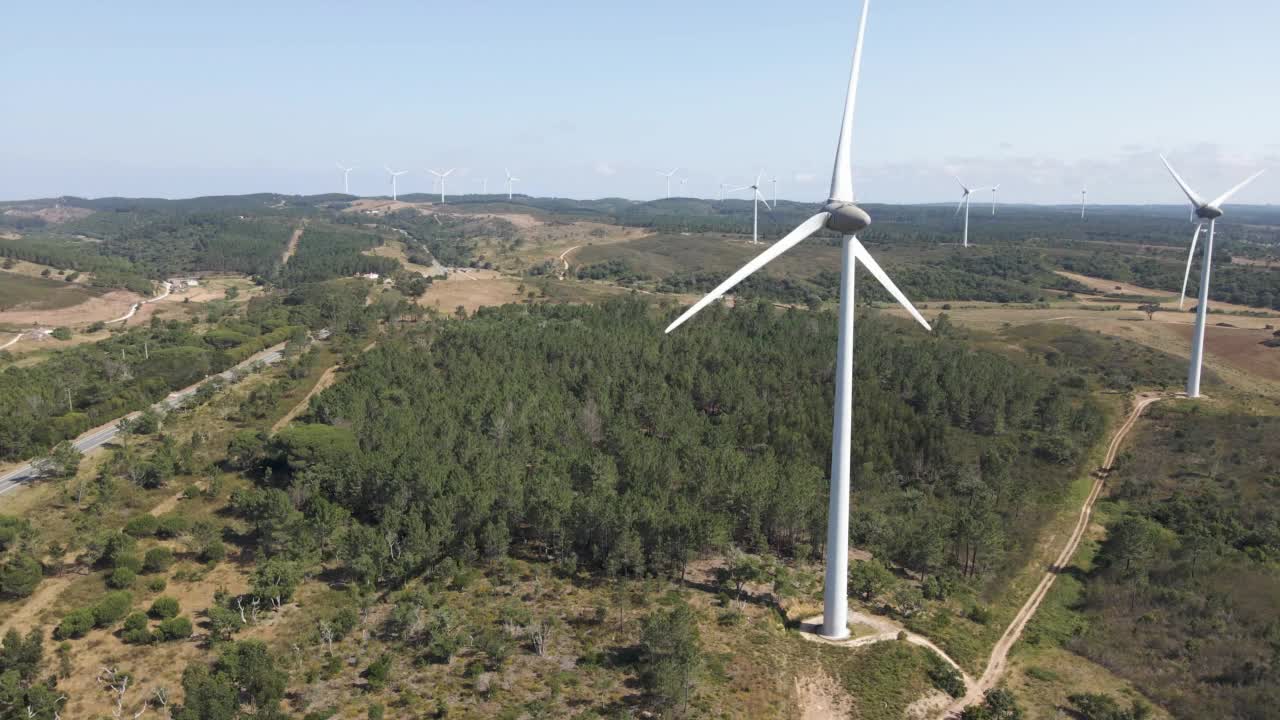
(37,293)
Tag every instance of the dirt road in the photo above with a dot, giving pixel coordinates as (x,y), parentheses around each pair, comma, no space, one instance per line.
(293,244)
(999,660)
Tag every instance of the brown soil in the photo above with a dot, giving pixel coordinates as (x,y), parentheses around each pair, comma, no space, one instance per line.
(819,697)
(293,244)
(471,289)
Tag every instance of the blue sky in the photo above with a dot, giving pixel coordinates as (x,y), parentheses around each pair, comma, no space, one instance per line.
(590,99)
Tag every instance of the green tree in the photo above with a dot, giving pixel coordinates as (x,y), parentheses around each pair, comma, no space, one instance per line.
(671,658)
(869,579)
(64,460)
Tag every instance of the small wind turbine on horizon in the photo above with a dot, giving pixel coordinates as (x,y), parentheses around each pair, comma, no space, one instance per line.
(684,181)
(394,174)
(668,176)
(774,180)
(993,199)
(1084,199)
(511,180)
(346,178)
(841,215)
(484,186)
(965,199)
(441,176)
(1209,211)
(756,198)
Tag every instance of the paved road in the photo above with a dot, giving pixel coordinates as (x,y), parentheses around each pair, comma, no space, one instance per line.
(94,439)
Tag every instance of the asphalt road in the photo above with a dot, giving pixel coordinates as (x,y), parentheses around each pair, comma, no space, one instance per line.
(94,439)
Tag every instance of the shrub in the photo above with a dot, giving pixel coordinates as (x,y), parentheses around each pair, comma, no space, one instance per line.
(157,584)
(61,333)
(121,578)
(128,561)
(980,614)
(142,526)
(112,607)
(20,576)
(164,608)
(175,628)
(172,526)
(946,678)
(157,559)
(379,672)
(136,631)
(213,552)
(75,624)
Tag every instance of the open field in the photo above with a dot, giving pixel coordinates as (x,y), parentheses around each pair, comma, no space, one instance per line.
(20,292)
(54,303)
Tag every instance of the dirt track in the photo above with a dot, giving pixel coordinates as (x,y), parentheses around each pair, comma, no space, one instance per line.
(997,664)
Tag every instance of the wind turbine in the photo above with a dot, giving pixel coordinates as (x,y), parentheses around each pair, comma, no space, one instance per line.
(756,198)
(393,175)
(1209,211)
(346,178)
(441,177)
(993,199)
(668,176)
(964,203)
(775,190)
(841,215)
(1084,199)
(484,186)
(683,182)
(511,179)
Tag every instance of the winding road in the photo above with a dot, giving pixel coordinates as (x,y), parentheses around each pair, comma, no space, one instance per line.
(96,438)
(168,289)
(998,663)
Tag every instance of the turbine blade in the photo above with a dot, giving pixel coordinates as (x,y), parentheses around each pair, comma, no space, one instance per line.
(1190,256)
(806,228)
(865,258)
(1227,195)
(960,204)
(842,174)
(763,199)
(1191,194)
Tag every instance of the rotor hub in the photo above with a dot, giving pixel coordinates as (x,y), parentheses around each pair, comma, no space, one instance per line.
(1208,213)
(845,217)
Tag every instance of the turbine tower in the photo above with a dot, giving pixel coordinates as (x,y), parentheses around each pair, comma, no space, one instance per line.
(756,198)
(841,215)
(393,175)
(964,203)
(346,178)
(684,181)
(775,190)
(668,176)
(441,176)
(993,199)
(511,179)
(1084,199)
(1209,211)
(484,186)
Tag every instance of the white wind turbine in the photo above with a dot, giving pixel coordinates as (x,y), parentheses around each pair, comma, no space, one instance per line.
(841,215)
(756,198)
(393,175)
(346,178)
(684,181)
(1084,200)
(1210,211)
(484,186)
(964,203)
(511,180)
(993,199)
(441,176)
(774,180)
(668,176)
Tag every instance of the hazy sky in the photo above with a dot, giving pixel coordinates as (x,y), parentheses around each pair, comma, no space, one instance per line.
(589,99)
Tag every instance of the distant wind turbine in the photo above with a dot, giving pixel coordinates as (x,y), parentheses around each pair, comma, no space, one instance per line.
(1084,199)
(441,176)
(484,186)
(841,215)
(668,176)
(684,181)
(346,178)
(511,180)
(394,174)
(1210,211)
(775,190)
(993,199)
(965,198)
(756,198)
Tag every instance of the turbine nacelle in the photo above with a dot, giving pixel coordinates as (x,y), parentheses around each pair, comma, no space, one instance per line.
(845,217)
(1208,212)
